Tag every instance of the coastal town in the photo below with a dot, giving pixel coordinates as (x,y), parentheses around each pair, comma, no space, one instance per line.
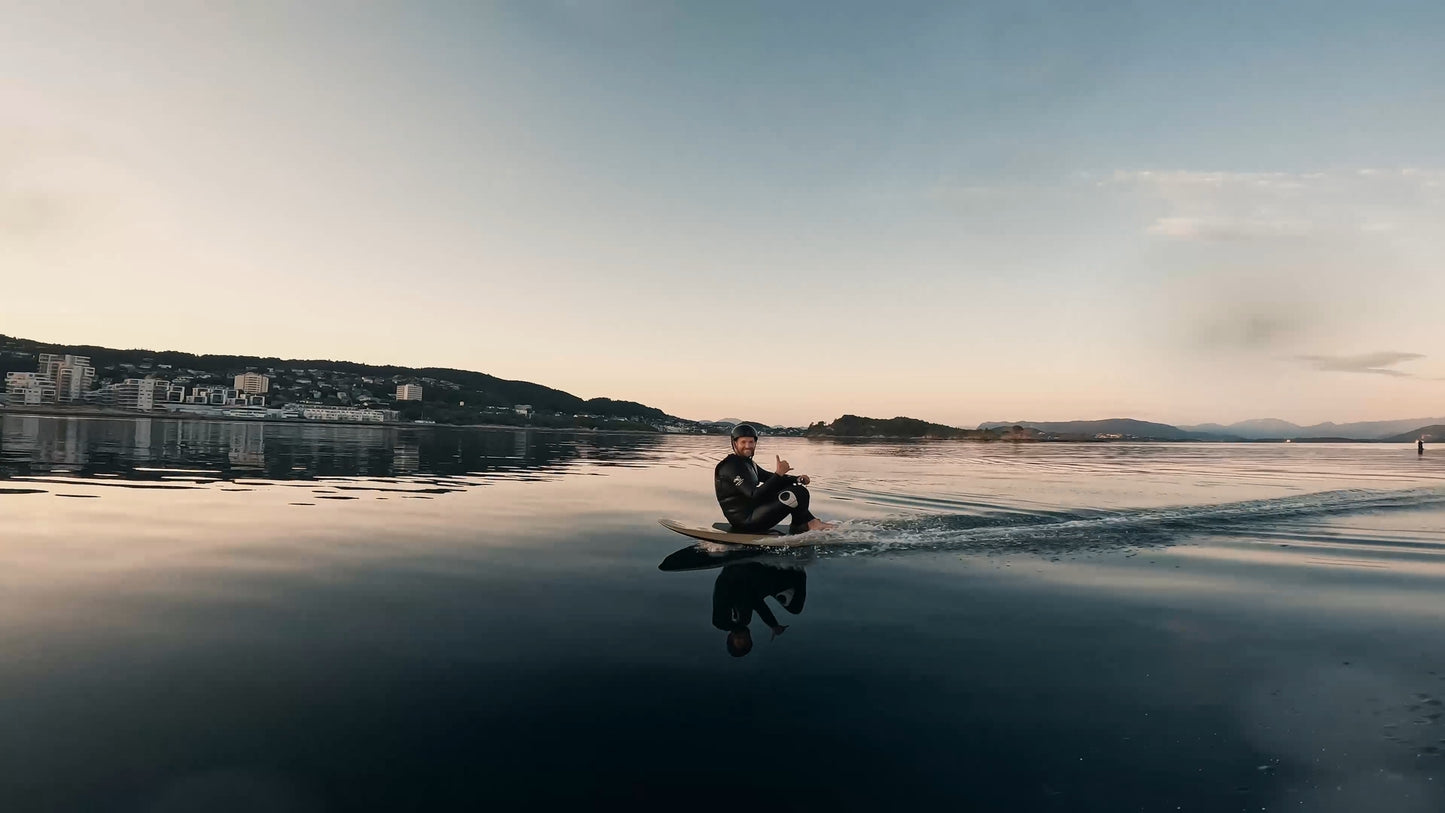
(73,383)
(71,380)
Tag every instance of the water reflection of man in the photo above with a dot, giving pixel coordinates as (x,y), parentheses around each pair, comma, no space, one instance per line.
(740,591)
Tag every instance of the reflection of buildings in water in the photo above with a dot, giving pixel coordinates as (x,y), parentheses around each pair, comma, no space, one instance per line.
(20,436)
(18,442)
(298,450)
(142,443)
(200,436)
(110,444)
(123,439)
(342,450)
(247,445)
(170,442)
(405,456)
(45,440)
(72,448)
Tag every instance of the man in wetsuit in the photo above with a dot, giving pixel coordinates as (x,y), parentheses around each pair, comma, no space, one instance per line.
(739,592)
(754,500)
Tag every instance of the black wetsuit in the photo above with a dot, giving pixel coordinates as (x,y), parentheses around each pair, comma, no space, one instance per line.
(756,500)
(1419,447)
(740,590)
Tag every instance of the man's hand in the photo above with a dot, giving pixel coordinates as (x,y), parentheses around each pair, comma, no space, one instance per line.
(778,630)
(803,479)
(782,467)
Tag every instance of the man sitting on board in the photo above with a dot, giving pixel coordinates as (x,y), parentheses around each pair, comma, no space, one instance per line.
(754,500)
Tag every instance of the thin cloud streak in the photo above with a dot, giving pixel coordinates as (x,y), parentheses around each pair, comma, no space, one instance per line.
(1225,206)
(1226,228)
(1373,363)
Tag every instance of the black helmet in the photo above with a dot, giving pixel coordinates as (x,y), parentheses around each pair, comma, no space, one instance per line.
(744,430)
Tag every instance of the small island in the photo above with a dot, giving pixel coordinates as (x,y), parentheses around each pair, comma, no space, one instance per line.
(854,426)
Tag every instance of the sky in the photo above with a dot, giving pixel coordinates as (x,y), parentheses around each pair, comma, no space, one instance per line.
(961,212)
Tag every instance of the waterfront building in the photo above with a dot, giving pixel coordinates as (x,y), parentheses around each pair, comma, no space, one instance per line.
(222,395)
(71,375)
(29,389)
(58,379)
(408,392)
(140,394)
(253,383)
(320,412)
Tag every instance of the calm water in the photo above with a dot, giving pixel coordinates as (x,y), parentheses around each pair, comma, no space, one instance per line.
(207,616)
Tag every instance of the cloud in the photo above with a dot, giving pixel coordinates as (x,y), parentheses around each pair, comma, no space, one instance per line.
(1222,206)
(54,186)
(1187,182)
(1227,228)
(28,213)
(1260,327)
(1376,363)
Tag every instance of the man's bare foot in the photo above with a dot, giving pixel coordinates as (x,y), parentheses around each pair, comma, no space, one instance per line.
(820,525)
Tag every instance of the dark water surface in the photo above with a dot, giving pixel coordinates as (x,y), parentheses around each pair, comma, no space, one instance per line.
(242,616)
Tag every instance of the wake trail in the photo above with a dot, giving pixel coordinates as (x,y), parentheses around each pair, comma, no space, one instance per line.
(1074,531)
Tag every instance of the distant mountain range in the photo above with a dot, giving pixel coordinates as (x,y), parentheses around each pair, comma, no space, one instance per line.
(1124,427)
(1429,434)
(1260,429)
(1275,428)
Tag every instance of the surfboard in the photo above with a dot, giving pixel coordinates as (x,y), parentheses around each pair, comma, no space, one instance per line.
(721,533)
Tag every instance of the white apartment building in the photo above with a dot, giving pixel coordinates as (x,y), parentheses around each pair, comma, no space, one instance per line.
(141,394)
(318,412)
(71,375)
(222,395)
(253,383)
(247,412)
(408,392)
(29,389)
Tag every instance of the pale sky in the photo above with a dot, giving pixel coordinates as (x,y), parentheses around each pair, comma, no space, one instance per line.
(1182,212)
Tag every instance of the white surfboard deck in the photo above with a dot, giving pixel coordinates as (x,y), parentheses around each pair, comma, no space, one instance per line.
(768,540)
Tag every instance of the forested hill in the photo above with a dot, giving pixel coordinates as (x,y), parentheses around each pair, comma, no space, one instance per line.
(445,384)
(854,426)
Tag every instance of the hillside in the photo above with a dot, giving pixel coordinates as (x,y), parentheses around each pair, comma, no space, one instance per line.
(1251,429)
(1259,429)
(443,386)
(1435,433)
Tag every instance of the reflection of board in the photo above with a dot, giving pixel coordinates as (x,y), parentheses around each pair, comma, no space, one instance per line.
(709,555)
(720,533)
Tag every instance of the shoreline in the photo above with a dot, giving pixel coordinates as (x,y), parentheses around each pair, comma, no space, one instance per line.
(120,414)
(1302,441)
